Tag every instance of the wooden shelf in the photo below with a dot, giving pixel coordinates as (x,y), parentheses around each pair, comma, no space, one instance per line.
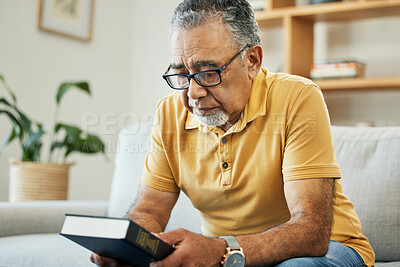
(270,18)
(337,11)
(359,83)
(298,27)
(352,10)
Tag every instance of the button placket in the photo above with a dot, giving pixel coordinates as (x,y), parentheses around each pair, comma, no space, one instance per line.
(225,156)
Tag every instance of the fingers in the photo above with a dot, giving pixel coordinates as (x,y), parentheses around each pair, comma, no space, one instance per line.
(172,237)
(155,264)
(186,249)
(182,256)
(103,261)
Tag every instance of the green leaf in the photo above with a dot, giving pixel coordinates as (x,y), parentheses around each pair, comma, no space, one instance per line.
(26,155)
(5,102)
(91,144)
(17,126)
(70,149)
(34,138)
(8,89)
(76,141)
(36,151)
(56,145)
(72,132)
(72,138)
(33,153)
(26,123)
(8,139)
(65,87)
(31,147)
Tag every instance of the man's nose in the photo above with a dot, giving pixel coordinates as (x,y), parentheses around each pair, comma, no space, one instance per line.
(196,91)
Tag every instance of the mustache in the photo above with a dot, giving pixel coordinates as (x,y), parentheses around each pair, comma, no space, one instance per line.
(194,102)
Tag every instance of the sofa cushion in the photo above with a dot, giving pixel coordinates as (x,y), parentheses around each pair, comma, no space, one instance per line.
(369,160)
(38,217)
(387,264)
(133,146)
(42,250)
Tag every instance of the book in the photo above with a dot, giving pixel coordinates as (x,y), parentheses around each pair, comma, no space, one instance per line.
(339,68)
(334,62)
(314,2)
(116,238)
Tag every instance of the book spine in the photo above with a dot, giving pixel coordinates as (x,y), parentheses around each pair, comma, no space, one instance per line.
(336,74)
(147,242)
(337,69)
(346,65)
(336,61)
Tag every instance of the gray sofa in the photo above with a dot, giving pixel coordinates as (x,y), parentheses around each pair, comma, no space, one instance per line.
(369,160)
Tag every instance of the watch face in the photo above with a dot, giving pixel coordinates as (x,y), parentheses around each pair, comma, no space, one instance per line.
(234,260)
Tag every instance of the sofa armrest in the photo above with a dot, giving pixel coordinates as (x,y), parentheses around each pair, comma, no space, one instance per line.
(43,216)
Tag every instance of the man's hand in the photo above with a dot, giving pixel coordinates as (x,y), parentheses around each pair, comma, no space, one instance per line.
(151,211)
(191,249)
(104,261)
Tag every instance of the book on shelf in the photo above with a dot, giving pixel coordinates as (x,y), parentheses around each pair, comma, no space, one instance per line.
(116,238)
(337,68)
(315,2)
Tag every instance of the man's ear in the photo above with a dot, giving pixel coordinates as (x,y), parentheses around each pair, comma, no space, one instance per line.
(255,56)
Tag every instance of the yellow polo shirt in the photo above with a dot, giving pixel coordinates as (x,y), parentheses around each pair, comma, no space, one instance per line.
(235,178)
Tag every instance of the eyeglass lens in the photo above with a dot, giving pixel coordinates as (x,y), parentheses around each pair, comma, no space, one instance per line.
(206,78)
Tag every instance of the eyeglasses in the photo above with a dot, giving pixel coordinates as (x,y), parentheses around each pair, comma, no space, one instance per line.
(205,78)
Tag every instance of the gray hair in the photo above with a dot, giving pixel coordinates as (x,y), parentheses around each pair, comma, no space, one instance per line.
(237,15)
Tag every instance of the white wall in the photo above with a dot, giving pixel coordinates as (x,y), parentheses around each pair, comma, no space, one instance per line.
(151,54)
(124,63)
(35,62)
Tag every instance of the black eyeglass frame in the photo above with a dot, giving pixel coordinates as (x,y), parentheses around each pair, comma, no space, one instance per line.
(193,75)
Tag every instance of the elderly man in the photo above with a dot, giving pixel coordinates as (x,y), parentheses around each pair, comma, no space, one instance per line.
(251,149)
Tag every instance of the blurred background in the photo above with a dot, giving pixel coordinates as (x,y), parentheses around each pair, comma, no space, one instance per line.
(124,61)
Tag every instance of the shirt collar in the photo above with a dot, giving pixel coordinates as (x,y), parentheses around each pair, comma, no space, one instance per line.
(255,107)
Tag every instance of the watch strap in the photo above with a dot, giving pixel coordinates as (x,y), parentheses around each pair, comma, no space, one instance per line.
(231,242)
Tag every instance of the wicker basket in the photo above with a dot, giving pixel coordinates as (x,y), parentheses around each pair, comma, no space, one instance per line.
(31,181)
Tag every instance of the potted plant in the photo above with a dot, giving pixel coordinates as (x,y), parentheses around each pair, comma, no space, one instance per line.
(31,178)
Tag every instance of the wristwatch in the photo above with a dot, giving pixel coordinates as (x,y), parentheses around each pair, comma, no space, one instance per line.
(234,256)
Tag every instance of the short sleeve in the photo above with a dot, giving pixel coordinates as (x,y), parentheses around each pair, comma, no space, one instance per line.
(157,172)
(309,150)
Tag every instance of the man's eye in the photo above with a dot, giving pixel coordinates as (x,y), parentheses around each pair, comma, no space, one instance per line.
(179,72)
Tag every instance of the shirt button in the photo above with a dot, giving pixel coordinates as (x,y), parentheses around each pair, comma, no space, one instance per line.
(225,165)
(224,140)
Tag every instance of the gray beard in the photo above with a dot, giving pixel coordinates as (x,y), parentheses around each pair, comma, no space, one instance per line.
(217,118)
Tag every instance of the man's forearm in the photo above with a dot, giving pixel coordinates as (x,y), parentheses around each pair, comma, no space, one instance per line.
(152,208)
(146,220)
(308,231)
(289,240)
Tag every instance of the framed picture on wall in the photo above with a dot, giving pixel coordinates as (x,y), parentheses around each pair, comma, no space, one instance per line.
(70,18)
